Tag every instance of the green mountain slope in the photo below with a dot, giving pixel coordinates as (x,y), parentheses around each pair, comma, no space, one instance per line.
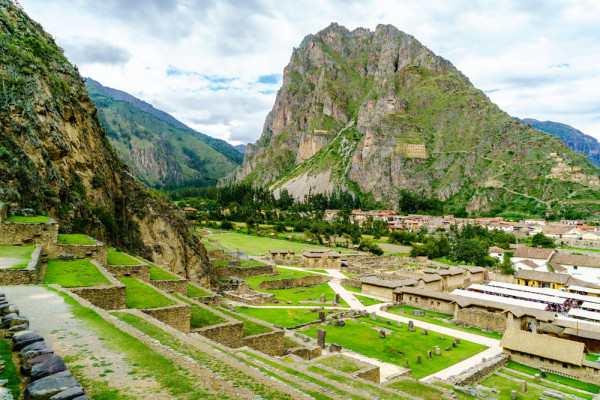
(159,153)
(378,112)
(574,138)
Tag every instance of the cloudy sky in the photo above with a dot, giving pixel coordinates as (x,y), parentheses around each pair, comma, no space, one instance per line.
(216,65)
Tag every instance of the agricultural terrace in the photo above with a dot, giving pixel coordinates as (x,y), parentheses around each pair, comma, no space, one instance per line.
(76,273)
(256,245)
(140,295)
(362,336)
(15,257)
(116,257)
(75,238)
(38,219)
(285,317)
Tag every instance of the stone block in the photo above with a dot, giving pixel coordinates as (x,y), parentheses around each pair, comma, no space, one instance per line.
(321,333)
(336,298)
(335,348)
(448,348)
(322,316)
(523,387)
(513,395)
(374,316)
(537,378)
(69,394)
(382,334)
(48,367)
(437,351)
(429,354)
(424,331)
(419,359)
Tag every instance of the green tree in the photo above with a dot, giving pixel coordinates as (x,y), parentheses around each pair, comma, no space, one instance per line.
(506,266)
(539,239)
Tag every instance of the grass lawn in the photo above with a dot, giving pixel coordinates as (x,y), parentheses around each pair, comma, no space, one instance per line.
(367,301)
(505,385)
(353,289)
(589,387)
(322,271)
(245,263)
(362,338)
(579,249)
(285,317)
(312,294)
(74,273)
(255,245)
(250,327)
(20,252)
(118,258)
(341,363)
(592,357)
(140,295)
(74,238)
(417,389)
(283,274)
(10,371)
(159,274)
(434,321)
(195,291)
(37,219)
(210,246)
(531,379)
(201,317)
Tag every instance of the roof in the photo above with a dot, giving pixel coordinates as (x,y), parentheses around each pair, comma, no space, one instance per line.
(282,251)
(496,249)
(552,348)
(581,261)
(533,252)
(371,280)
(529,263)
(542,276)
(452,271)
(557,230)
(582,333)
(557,267)
(426,293)
(320,253)
(471,269)
(430,278)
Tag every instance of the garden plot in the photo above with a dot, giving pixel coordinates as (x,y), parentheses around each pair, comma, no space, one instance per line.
(362,336)
(75,238)
(15,257)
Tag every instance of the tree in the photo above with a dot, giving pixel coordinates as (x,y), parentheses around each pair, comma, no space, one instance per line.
(250,224)
(367,245)
(227,225)
(506,266)
(470,251)
(539,239)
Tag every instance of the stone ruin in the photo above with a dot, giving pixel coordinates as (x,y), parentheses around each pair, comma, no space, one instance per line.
(245,294)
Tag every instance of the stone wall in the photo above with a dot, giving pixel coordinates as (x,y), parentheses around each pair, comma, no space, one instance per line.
(247,272)
(355,283)
(480,371)
(369,373)
(582,244)
(270,343)
(97,252)
(21,233)
(428,303)
(176,316)
(482,319)
(228,333)
(290,283)
(495,276)
(172,286)
(589,372)
(105,297)
(141,272)
(379,291)
(3,211)
(214,299)
(24,276)
(307,353)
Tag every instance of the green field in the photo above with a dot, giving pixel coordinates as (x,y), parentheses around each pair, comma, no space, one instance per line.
(286,317)
(74,273)
(195,291)
(21,253)
(250,327)
(361,337)
(256,245)
(37,219)
(116,257)
(367,301)
(341,363)
(283,274)
(555,378)
(418,389)
(74,238)
(200,316)
(140,295)
(159,274)
(311,294)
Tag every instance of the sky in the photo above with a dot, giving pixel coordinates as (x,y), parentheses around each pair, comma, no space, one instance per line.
(216,65)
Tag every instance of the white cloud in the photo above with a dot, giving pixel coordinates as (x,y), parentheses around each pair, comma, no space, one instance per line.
(534,58)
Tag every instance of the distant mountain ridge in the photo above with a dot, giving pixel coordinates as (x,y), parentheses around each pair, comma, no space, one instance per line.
(574,138)
(241,148)
(160,153)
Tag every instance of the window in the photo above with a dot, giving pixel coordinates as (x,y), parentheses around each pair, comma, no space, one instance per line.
(575,267)
(565,365)
(438,303)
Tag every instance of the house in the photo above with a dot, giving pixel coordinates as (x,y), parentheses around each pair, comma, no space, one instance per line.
(534,221)
(496,252)
(550,280)
(186,209)
(321,259)
(551,354)
(426,299)
(330,215)
(582,267)
(561,232)
(383,288)
(538,255)
(529,265)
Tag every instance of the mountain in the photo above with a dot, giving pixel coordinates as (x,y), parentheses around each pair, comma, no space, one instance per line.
(55,157)
(575,139)
(376,112)
(161,151)
(241,148)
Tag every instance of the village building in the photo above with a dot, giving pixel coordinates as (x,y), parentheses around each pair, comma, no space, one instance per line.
(586,268)
(550,280)
(326,259)
(496,252)
(285,256)
(384,288)
(538,255)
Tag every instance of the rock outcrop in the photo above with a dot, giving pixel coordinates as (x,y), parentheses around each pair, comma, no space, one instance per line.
(55,157)
(377,112)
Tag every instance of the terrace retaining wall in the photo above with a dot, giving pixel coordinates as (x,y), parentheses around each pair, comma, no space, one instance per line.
(355,283)
(25,233)
(177,316)
(23,276)
(307,353)
(247,272)
(227,333)
(141,272)
(290,283)
(271,343)
(480,371)
(97,252)
(371,373)
(482,319)
(209,300)
(178,286)
(106,297)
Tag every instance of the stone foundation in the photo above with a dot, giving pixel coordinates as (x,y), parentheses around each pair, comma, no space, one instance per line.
(141,272)
(176,316)
(270,343)
(105,297)
(30,234)
(209,300)
(307,353)
(290,283)
(254,298)
(172,286)
(370,373)
(482,319)
(480,371)
(355,283)
(228,333)
(247,272)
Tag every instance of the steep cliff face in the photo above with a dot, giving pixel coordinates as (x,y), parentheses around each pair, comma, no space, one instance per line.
(161,151)
(378,112)
(574,138)
(54,156)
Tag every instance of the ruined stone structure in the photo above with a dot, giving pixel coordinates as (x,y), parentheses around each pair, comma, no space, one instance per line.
(321,259)
(283,256)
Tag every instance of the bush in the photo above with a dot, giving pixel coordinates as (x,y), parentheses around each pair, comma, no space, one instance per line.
(227,225)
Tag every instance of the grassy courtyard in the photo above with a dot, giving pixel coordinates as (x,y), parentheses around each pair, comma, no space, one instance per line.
(363,337)
(74,273)
(32,220)
(284,273)
(15,257)
(75,238)
(116,257)
(140,295)
(286,317)
(308,294)
(256,245)
(367,301)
